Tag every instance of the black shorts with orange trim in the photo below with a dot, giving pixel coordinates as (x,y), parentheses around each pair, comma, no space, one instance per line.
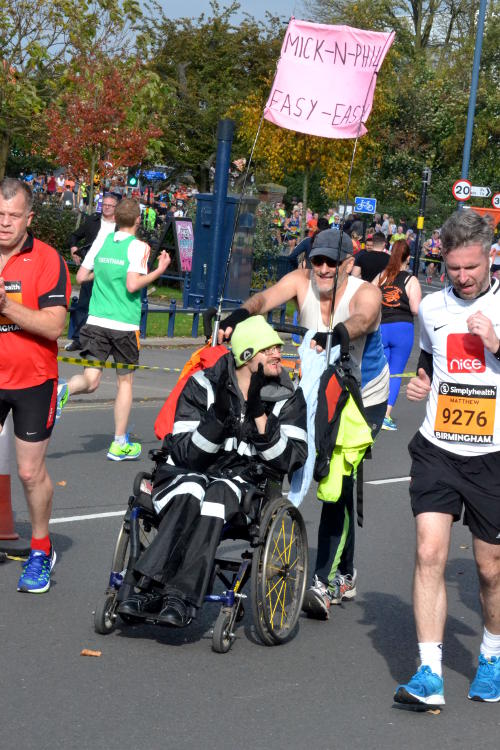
(444,482)
(33,410)
(101,343)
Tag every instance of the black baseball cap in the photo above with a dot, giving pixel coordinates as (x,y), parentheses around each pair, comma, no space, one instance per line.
(328,243)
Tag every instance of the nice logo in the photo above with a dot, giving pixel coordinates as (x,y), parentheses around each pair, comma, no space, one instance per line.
(465,353)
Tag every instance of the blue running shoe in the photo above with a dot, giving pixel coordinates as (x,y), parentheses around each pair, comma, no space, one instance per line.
(35,578)
(486,684)
(62,397)
(425,687)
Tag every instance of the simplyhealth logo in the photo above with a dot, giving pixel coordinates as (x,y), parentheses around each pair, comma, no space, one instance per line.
(465,353)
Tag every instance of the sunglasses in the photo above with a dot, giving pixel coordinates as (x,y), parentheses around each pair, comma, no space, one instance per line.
(319,260)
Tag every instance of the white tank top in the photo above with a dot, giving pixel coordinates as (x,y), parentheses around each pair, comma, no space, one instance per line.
(310,317)
(462,413)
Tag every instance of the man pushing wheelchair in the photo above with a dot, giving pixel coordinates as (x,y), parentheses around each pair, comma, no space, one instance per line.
(241,411)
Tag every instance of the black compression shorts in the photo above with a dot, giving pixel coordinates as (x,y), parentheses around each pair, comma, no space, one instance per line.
(33,410)
(442,482)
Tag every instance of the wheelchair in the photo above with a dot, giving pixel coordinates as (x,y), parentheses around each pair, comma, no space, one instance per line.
(274,561)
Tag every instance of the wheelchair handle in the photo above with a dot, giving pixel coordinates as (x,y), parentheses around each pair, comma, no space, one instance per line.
(289,328)
(340,329)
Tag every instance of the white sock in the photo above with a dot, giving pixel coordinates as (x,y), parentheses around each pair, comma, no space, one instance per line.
(490,645)
(431,654)
(121,439)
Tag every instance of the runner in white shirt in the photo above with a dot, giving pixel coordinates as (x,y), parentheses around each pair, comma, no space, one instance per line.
(456,453)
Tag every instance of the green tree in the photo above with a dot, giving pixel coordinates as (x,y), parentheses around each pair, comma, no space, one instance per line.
(425,85)
(37,38)
(210,63)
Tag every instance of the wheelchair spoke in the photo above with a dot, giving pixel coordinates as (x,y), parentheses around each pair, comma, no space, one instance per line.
(281,573)
(273,610)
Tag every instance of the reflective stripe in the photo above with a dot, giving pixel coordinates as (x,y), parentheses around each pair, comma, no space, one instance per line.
(205,383)
(232,486)
(215,510)
(177,480)
(244,449)
(291,431)
(203,444)
(276,450)
(230,444)
(185,488)
(184,426)
(278,407)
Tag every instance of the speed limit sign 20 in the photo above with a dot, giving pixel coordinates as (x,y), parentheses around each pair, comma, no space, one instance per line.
(461,190)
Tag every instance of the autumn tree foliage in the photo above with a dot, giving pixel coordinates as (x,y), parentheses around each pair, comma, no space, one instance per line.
(102,121)
(37,38)
(279,152)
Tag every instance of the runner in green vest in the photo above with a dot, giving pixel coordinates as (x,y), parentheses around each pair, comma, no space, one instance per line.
(119,266)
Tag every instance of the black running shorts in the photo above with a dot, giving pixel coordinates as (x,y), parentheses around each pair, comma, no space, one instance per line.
(443,482)
(100,343)
(33,410)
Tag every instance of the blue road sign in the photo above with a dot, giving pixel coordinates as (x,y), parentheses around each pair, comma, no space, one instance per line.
(365,205)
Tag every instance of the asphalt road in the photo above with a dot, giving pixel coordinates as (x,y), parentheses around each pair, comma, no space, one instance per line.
(331,687)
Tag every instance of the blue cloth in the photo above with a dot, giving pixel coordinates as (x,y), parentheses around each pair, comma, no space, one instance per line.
(313,366)
(397,339)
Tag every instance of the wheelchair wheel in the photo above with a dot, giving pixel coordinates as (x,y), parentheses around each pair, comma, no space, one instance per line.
(147,533)
(105,613)
(222,637)
(279,572)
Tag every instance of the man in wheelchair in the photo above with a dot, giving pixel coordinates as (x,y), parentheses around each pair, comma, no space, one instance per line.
(241,411)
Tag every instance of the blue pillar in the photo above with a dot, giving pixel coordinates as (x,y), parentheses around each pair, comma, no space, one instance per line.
(225,132)
(473,89)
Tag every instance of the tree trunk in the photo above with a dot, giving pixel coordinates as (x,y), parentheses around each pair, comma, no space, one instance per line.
(91,185)
(4,152)
(305,198)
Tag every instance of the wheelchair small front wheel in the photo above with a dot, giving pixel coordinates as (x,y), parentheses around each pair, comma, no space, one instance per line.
(105,615)
(279,572)
(222,638)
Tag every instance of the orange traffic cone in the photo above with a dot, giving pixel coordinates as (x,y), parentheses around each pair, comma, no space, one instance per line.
(9,538)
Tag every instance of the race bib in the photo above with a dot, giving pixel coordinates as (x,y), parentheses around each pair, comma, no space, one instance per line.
(465,413)
(14,292)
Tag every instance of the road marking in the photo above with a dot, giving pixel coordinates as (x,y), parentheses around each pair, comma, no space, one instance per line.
(114,513)
(389,481)
(89,517)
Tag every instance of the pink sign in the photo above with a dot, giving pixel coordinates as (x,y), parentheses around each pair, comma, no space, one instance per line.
(185,243)
(325,80)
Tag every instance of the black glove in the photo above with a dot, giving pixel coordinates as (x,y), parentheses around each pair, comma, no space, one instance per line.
(255,405)
(237,316)
(222,403)
(320,336)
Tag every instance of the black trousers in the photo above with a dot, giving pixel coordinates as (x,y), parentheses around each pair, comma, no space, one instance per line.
(336,531)
(80,313)
(194,509)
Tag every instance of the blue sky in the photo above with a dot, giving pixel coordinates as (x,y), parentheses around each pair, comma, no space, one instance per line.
(256,8)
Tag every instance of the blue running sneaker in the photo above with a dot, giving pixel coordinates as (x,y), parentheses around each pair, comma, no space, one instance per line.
(62,397)
(35,578)
(486,684)
(425,687)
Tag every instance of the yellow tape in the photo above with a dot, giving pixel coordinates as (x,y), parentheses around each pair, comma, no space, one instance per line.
(420,222)
(113,365)
(120,366)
